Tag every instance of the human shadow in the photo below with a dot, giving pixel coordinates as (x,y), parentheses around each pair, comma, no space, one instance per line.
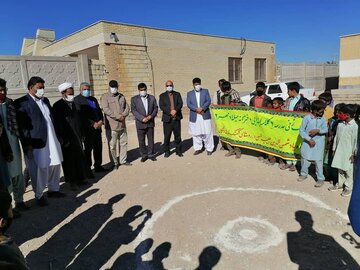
(159,254)
(116,232)
(208,258)
(133,260)
(71,238)
(312,250)
(39,220)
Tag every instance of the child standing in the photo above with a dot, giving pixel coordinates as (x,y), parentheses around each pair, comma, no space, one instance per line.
(330,172)
(329,111)
(276,104)
(344,148)
(313,130)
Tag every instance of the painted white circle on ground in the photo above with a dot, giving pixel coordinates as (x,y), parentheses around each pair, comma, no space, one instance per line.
(147,232)
(248,235)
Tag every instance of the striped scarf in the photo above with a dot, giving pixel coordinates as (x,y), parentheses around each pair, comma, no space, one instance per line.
(11,117)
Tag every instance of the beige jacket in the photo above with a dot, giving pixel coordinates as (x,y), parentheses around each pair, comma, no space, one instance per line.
(115,109)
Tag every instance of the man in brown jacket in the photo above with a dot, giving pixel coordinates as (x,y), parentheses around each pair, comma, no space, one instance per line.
(116,110)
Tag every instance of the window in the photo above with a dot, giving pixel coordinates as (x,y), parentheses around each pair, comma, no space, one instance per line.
(235,70)
(260,69)
(274,89)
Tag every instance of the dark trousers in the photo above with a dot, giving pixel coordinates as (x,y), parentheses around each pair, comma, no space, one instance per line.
(93,142)
(149,150)
(170,127)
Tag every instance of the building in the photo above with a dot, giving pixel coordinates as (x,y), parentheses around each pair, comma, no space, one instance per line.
(349,64)
(132,54)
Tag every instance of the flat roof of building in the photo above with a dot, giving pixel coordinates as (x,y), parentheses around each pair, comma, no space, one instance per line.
(350,35)
(155,28)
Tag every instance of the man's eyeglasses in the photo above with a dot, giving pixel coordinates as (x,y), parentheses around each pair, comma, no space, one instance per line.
(169,85)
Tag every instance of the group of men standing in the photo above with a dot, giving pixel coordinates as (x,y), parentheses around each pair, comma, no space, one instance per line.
(69,133)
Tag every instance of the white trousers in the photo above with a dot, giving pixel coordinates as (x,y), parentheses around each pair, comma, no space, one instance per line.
(208,140)
(43,177)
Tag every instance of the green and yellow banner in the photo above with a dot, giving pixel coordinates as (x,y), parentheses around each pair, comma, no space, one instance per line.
(268,131)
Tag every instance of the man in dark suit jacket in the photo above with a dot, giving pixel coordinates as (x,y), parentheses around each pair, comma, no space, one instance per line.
(38,136)
(171,104)
(144,108)
(91,119)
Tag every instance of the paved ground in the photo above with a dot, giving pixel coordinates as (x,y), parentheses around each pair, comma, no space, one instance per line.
(209,212)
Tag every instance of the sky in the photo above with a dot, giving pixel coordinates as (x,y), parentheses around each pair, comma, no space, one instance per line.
(303,30)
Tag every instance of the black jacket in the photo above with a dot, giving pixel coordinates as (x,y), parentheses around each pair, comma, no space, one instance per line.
(303,105)
(265,104)
(164,104)
(88,115)
(32,124)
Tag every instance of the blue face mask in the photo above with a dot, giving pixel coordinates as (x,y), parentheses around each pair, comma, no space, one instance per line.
(86,93)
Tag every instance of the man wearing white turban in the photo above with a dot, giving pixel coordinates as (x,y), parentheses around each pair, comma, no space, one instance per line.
(70,134)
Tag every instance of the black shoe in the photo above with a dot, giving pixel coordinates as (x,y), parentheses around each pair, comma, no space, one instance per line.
(153,158)
(197,152)
(126,164)
(209,153)
(56,194)
(42,201)
(21,206)
(179,154)
(115,167)
(143,159)
(167,154)
(100,169)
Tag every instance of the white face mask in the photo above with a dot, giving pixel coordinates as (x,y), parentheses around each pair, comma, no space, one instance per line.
(142,93)
(197,87)
(69,98)
(113,90)
(169,88)
(39,93)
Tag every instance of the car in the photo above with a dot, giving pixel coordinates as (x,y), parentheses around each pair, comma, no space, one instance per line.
(279,89)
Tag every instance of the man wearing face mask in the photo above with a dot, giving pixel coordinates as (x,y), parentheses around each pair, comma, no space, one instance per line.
(199,101)
(295,102)
(91,119)
(145,109)
(39,140)
(231,97)
(70,134)
(116,109)
(171,104)
(10,254)
(260,100)
(14,168)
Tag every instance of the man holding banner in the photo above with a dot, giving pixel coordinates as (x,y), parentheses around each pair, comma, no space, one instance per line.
(295,102)
(231,97)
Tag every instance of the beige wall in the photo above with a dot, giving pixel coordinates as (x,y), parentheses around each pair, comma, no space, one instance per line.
(349,65)
(154,56)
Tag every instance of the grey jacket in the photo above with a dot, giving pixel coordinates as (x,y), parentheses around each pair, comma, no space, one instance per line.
(115,109)
(138,110)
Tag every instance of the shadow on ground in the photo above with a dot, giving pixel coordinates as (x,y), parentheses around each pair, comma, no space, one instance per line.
(312,250)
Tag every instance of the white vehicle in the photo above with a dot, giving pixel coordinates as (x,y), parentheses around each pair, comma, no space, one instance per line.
(279,89)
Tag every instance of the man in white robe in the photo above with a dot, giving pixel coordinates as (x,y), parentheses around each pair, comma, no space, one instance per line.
(198,101)
(40,144)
